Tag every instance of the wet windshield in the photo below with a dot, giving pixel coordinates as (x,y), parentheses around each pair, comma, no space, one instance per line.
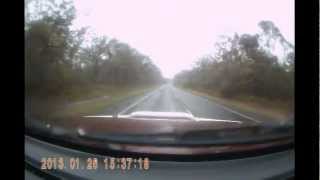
(153,67)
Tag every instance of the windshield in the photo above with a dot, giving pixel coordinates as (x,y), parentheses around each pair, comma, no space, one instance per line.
(180,72)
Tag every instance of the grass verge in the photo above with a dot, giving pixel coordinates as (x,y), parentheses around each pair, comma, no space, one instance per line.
(253,106)
(94,101)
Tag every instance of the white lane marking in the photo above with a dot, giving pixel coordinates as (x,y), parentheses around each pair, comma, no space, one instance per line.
(226,108)
(155,118)
(98,116)
(181,102)
(217,120)
(160,114)
(178,119)
(187,110)
(185,107)
(139,101)
(240,114)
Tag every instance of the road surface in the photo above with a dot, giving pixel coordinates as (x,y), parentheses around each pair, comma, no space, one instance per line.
(169,98)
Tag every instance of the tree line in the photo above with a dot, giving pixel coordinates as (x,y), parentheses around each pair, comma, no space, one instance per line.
(58,57)
(246,65)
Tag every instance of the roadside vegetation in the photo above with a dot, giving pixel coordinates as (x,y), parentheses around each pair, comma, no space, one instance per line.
(64,65)
(245,71)
(55,109)
(258,108)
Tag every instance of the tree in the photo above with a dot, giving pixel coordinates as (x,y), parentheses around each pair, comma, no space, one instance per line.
(244,65)
(58,58)
(47,65)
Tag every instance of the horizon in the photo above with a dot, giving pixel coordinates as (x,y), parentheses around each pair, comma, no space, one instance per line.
(168,33)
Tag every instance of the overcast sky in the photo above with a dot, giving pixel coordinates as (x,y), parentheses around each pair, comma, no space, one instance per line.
(174,33)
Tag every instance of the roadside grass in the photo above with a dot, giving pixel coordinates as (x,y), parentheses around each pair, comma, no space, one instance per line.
(270,109)
(76,103)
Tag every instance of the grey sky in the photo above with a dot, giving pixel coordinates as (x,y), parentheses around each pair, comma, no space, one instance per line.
(174,33)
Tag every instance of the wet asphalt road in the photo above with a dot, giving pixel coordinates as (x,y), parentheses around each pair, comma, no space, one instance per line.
(168,98)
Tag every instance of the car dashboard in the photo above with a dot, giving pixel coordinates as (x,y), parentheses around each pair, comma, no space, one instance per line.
(278,165)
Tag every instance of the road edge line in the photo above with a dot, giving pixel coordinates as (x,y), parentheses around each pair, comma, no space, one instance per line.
(224,107)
